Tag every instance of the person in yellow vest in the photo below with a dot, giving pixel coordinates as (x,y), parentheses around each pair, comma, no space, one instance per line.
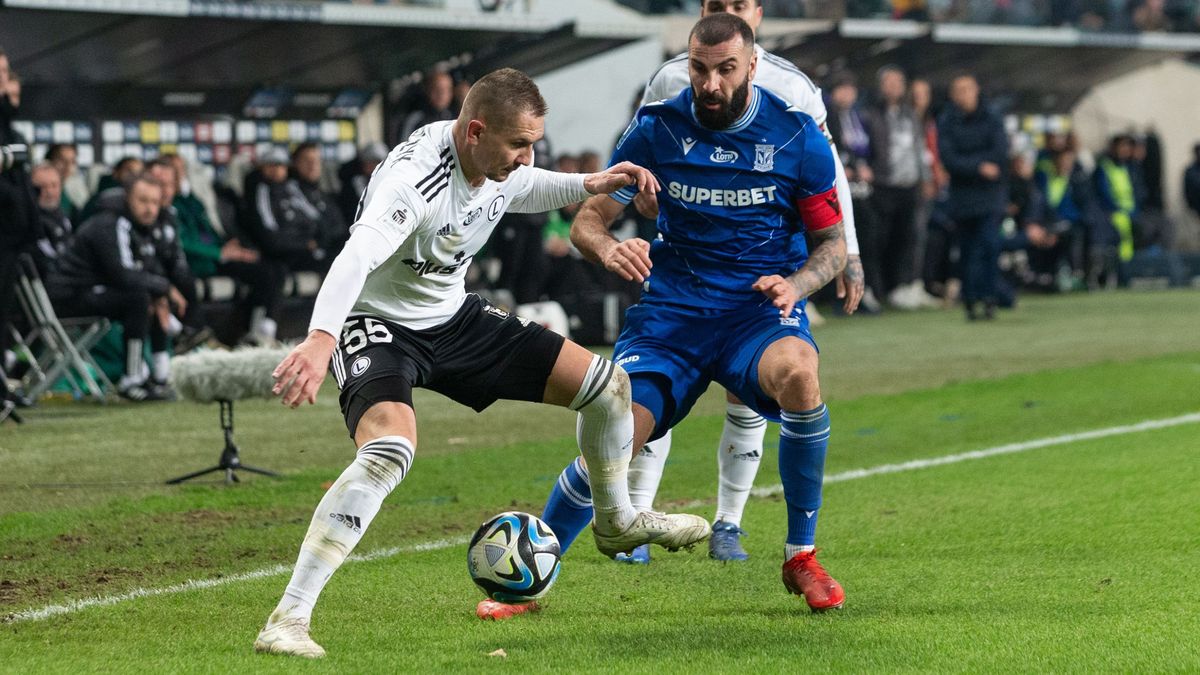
(1117,192)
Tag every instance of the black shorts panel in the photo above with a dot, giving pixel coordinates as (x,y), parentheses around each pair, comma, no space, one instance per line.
(482,354)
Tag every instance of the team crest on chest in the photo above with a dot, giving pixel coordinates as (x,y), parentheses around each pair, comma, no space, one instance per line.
(496,207)
(764,157)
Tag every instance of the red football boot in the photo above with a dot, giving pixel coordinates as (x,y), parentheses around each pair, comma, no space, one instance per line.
(490,610)
(803,575)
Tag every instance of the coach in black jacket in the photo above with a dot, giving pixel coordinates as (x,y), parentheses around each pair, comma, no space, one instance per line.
(973,147)
(111,269)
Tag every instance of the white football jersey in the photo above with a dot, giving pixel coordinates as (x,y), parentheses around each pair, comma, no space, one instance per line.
(420,202)
(775,73)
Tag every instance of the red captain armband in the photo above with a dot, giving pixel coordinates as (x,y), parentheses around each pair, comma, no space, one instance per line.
(820,211)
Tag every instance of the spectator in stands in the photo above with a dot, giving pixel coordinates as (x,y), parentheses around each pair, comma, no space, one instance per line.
(209,253)
(107,271)
(921,96)
(285,227)
(1032,234)
(18,226)
(355,174)
(65,158)
(1117,191)
(54,228)
(1070,206)
(110,192)
(438,104)
(848,129)
(189,329)
(1150,15)
(898,164)
(1191,181)
(306,171)
(974,149)
(462,85)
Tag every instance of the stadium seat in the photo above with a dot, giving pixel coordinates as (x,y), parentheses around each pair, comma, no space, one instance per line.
(57,347)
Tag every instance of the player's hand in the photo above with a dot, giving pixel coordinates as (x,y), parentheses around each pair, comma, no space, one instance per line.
(618,176)
(781,291)
(646,204)
(630,259)
(300,374)
(850,284)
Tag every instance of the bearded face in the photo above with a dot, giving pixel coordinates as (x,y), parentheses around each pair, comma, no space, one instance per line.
(717,112)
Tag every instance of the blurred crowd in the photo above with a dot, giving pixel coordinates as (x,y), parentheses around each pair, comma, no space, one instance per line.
(952,207)
(1092,15)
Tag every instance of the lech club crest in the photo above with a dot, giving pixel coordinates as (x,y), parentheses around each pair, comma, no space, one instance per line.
(764,157)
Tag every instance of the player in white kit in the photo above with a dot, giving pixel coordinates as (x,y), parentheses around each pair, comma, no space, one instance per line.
(393,314)
(741,445)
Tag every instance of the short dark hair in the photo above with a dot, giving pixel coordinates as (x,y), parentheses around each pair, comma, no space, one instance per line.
(720,27)
(56,149)
(163,161)
(501,95)
(144,177)
(303,147)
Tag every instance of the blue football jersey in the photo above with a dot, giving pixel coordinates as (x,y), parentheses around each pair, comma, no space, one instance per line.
(735,203)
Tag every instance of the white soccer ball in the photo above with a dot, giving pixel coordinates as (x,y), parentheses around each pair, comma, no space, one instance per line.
(514,557)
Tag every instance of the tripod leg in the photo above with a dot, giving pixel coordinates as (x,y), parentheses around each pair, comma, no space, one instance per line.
(263,472)
(194,474)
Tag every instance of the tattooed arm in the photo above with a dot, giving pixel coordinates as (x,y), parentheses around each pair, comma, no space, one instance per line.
(825,261)
(851,283)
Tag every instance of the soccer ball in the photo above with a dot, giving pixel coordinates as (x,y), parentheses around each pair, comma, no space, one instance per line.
(514,557)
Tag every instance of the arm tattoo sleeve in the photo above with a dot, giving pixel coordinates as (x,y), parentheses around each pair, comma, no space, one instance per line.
(825,261)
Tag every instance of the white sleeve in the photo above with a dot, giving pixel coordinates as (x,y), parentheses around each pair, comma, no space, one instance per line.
(668,81)
(549,190)
(393,210)
(844,198)
(366,249)
(390,215)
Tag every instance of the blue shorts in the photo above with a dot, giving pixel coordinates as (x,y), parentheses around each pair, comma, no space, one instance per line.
(672,354)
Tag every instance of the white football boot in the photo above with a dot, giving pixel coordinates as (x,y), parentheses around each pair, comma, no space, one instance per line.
(671,531)
(288,636)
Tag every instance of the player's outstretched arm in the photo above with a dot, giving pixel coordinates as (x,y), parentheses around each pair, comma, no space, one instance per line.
(618,176)
(630,259)
(825,261)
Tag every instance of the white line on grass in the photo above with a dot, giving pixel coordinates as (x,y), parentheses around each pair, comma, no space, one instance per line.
(912,465)
(191,585)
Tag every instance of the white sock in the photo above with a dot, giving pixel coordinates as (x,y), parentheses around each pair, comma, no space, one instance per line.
(260,324)
(605,435)
(738,458)
(133,361)
(340,520)
(174,327)
(790,550)
(646,470)
(160,363)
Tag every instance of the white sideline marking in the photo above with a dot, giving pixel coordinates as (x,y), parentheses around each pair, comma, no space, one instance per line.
(912,465)
(192,584)
(1009,449)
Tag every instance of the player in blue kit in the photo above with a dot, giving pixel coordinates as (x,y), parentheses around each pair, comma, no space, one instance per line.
(748,181)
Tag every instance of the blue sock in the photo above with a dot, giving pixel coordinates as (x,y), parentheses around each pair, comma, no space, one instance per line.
(803,439)
(569,508)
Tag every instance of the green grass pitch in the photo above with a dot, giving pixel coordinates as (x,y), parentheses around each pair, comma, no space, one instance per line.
(1076,556)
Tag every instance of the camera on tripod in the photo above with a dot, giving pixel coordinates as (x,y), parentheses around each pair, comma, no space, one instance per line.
(13,155)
